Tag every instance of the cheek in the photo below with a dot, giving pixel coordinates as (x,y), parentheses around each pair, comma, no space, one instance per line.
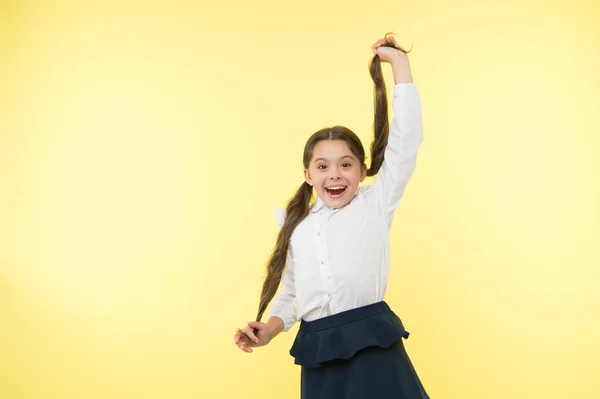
(318,179)
(353,177)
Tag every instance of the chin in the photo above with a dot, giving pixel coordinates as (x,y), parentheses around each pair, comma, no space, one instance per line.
(336,203)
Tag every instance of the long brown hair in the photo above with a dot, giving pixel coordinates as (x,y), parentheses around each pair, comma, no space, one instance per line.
(298,205)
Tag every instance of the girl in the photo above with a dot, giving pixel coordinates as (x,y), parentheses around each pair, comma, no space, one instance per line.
(332,258)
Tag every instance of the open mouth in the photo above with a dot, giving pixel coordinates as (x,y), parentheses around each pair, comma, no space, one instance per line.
(335,191)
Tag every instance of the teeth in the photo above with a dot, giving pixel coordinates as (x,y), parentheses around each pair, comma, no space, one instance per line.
(336,188)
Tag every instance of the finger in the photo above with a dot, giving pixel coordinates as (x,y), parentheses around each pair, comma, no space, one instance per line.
(257,325)
(245,347)
(238,339)
(243,334)
(262,329)
(243,342)
(376,47)
(378,43)
(252,336)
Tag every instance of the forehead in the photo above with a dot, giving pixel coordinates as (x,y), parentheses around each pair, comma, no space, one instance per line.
(332,150)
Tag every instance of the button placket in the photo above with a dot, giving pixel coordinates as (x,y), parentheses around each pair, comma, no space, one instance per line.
(326,270)
(319,239)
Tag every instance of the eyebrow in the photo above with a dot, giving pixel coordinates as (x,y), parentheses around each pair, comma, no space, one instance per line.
(345,156)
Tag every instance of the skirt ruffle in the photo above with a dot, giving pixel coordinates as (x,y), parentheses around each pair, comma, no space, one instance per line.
(344,334)
(357,354)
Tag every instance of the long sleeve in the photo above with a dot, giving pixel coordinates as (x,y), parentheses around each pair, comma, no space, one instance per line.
(406,135)
(283,303)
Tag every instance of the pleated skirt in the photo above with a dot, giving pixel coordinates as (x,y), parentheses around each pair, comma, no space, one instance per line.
(356,354)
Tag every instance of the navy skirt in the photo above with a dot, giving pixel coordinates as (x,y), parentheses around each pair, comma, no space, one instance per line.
(356,354)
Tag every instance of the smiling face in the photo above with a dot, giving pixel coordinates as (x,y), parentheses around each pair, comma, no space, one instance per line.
(335,172)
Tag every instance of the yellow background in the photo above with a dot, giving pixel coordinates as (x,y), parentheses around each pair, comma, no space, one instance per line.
(145,145)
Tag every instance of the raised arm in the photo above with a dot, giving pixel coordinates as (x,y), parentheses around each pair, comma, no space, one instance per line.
(405,136)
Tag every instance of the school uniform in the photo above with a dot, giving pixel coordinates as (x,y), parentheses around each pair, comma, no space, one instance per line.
(350,342)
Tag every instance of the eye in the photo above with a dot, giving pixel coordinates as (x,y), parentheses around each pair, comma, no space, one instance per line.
(347,165)
(322,167)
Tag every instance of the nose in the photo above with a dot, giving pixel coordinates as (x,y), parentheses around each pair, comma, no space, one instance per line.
(335,174)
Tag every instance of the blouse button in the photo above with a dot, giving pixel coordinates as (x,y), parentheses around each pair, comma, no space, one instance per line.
(318,233)
(322,262)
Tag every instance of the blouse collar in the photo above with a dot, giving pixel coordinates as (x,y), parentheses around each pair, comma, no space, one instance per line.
(317,205)
(320,205)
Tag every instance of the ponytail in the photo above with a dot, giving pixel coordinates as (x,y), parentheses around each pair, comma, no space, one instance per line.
(381,125)
(296,211)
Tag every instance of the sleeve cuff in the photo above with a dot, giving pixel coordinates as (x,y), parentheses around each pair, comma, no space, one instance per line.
(288,321)
(402,89)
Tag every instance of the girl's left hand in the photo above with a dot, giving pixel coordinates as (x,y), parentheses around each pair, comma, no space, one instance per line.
(386,53)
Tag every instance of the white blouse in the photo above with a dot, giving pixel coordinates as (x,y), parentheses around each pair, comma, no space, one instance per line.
(339,259)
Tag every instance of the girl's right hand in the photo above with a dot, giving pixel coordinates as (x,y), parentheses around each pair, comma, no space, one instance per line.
(246,338)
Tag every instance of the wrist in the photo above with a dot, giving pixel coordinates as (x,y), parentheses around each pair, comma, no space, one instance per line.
(401,71)
(275,325)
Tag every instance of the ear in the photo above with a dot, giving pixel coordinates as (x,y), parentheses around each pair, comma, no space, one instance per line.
(363,172)
(307,177)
